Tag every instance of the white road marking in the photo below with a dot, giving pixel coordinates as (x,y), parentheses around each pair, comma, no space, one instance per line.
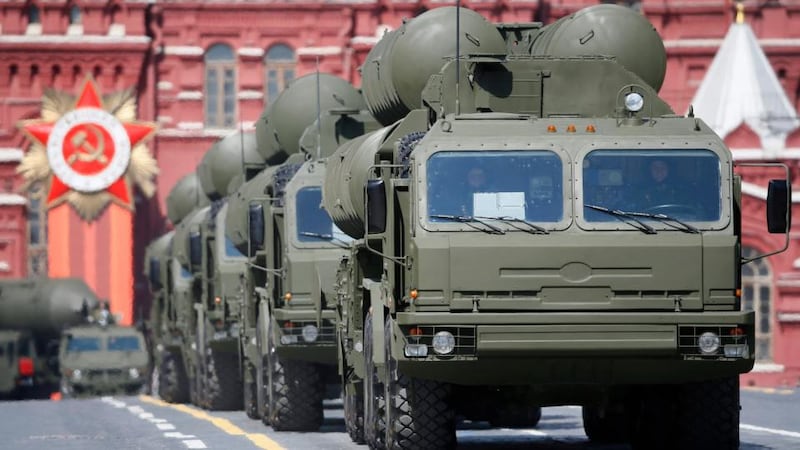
(156,420)
(178,435)
(529,432)
(165,426)
(791,434)
(146,415)
(113,402)
(135,409)
(195,443)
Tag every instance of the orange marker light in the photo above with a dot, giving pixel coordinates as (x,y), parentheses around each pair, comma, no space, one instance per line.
(413,294)
(590,129)
(737,332)
(738,293)
(551,128)
(217,300)
(288,324)
(570,128)
(416,331)
(288,296)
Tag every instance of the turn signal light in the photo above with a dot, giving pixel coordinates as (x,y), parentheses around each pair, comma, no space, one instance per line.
(590,129)
(287,296)
(570,128)
(416,331)
(413,294)
(737,332)
(217,300)
(26,366)
(551,128)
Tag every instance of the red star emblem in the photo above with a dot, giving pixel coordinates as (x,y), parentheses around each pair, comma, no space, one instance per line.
(88,149)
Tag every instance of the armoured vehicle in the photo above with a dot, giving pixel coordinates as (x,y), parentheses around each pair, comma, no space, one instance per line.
(33,314)
(276,218)
(102,359)
(172,311)
(517,244)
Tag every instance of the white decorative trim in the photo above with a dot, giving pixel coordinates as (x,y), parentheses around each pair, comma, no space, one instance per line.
(63,39)
(183,50)
(789,317)
(5,266)
(714,42)
(746,154)
(761,192)
(75,29)
(253,52)
(164,119)
(249,95)
(204,132)
(190,95)
(116,29)
(190,125)
(33,29)
(319,51)
(767,368)
(11,154)
(7,199)
(165,85)
(368,40)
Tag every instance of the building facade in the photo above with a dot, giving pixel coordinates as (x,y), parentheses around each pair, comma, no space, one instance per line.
(202,69)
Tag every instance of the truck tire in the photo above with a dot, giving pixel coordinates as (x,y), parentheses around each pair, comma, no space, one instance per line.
(223,381)
(354,412)
(250,394)
(419,413)
(374,395)
(172,382)
(610,428)
(296,391)
(709,415)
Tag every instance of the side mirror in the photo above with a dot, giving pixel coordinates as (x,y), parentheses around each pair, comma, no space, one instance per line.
(195,249)
(155,273)
(376,206)
(779,199)
(256,228)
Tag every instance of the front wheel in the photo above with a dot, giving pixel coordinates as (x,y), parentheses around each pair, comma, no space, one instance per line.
(420,416)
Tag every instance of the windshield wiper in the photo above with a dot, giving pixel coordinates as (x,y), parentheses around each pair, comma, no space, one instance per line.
(513,221)
(470,220)
(326,237)
(626,217)
(667,220)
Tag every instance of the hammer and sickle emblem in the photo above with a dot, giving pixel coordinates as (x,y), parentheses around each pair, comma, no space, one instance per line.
(84,150)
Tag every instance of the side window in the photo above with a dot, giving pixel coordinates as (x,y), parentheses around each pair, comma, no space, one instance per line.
(279,67)
(220,87)
(757,296)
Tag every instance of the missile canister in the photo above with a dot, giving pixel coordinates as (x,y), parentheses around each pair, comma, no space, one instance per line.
(398,67)
(348,172)
(44,306)
(181,243)
(279,128)
(184,197)
(608,30)
(231,155)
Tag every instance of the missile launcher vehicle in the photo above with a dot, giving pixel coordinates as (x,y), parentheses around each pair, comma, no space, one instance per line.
(540,229)
(276,218)
(33,314)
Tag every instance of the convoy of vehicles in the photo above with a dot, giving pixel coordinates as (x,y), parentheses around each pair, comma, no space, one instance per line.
(532,226)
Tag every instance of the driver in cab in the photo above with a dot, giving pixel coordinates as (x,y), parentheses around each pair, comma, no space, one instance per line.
(660,189)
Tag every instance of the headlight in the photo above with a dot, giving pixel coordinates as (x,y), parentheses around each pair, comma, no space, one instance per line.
(634,102)
(708,343)
(76,375)
(133,372)
(310,333)
(443,342)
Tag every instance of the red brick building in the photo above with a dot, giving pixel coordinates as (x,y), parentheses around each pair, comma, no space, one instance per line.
(203,68)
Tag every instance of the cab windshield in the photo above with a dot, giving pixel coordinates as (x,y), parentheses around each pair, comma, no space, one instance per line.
(522,185)
(681,184)
(314,225)
(123,343)
(83,344)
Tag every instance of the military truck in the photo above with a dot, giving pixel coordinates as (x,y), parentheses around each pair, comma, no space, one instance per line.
(33,312)
(513,247)
(172,313)
(102,359)
(276,218)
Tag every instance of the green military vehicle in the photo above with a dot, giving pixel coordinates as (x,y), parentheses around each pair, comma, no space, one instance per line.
(517,245)
(33,313)
(288,345)
(172,313)
(102,359)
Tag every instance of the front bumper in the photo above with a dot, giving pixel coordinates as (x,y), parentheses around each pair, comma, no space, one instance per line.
(290,341)
(596,348)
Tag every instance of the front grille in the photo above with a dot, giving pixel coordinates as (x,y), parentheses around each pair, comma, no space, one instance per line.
(688,336)
(327,332)
(464,336)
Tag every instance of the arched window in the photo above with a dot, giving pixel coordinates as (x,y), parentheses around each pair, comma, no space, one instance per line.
(279,66)
(74,15)
(34,15)
(757,296)
(220,86)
